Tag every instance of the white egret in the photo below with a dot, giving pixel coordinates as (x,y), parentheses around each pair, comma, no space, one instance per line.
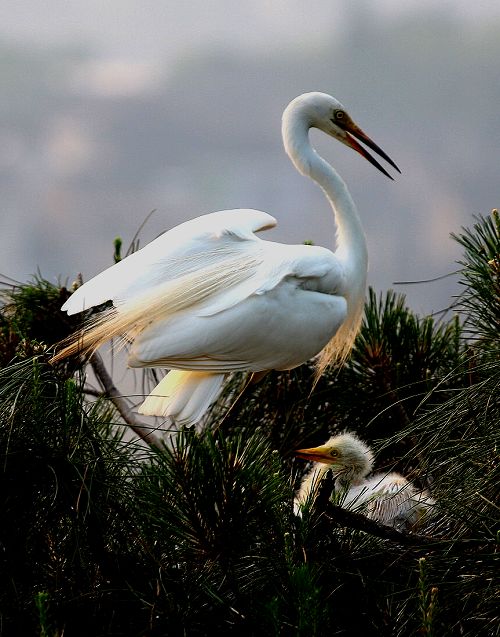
(209,297)
(386,497)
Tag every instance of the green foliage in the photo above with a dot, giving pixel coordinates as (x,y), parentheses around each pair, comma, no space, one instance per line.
(481,276)
(117,256)
(60,499)
(427,599)
(459,440)
(398,358)
(395,348)
(29,316)
(42,605)
(101,536)
(214,507)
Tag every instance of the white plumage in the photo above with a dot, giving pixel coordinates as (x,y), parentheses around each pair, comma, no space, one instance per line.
(210,297)
(388,498)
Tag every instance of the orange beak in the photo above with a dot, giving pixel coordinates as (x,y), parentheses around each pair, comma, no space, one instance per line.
(353,129)
(316,454)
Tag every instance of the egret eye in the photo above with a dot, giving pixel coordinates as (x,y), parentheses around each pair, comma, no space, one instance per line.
(338,115)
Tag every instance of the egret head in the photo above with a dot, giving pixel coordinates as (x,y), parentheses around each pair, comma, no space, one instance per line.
(324,112)
(346,454)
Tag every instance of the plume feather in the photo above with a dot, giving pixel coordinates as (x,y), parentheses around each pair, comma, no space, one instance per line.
(127,318)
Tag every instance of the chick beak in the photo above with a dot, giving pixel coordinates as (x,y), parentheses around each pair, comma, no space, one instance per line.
(316,454)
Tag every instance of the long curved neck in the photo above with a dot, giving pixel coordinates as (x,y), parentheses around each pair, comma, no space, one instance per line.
(351,242)
(350,238)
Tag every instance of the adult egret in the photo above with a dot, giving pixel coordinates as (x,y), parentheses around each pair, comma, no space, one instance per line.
(209,297)
(387,498)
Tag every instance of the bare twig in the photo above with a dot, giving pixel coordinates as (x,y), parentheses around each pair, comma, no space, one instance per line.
(121,404)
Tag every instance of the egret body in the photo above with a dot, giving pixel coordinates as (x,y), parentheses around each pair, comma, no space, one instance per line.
(210,297)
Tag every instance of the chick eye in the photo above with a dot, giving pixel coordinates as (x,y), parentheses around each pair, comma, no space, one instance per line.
(338,115)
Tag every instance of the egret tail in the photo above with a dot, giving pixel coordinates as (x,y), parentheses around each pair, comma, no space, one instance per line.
(183,396)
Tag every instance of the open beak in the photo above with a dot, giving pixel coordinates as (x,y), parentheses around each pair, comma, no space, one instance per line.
(316,454)
(353,131)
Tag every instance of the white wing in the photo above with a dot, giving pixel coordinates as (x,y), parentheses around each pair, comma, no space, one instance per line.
(191,245)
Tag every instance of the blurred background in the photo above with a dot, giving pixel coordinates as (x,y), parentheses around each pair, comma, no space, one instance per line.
(112,109)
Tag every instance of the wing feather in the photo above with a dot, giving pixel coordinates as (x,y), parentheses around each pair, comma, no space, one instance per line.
(130,316)
(180,251)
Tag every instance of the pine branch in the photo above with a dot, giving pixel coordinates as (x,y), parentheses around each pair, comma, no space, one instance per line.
(353,520)
(120,403)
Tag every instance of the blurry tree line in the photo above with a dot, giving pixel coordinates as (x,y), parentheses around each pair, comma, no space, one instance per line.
(103,534)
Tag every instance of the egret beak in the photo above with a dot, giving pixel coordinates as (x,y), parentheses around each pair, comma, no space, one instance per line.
(316,454)
(352,130)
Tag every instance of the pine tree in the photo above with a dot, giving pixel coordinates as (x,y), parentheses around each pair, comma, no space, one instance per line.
(105,534)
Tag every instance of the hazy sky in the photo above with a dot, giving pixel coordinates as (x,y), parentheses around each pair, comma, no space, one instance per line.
(145,30)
